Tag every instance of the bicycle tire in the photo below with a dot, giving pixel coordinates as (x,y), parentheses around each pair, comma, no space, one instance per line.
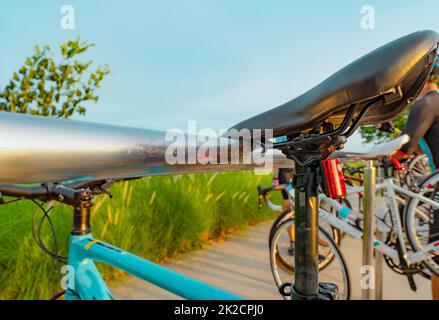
(410,227)
(275,262)
(417,166)
(289,213)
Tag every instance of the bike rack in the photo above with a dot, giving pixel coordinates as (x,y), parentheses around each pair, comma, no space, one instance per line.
(368,223)
(379,262)
(368,235)
(379,257)
(369,205)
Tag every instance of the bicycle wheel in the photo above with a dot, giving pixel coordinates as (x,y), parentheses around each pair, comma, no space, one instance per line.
(282,260)
(285,215)
(289,214)
(417,169)
(420,232)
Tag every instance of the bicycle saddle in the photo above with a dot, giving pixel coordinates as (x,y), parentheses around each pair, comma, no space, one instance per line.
(385,149)
(388,148)
(384,81)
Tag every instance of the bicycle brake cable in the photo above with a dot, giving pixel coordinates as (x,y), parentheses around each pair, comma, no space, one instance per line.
(36,232)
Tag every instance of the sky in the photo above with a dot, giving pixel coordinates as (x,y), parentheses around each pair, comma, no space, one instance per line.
(215,62)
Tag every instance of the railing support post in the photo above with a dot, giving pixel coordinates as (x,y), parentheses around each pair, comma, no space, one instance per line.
(379,260)
(368,230)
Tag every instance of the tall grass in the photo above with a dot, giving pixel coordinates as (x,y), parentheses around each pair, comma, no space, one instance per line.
(154,217)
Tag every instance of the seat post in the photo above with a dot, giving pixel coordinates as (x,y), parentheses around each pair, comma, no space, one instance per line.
(306,285)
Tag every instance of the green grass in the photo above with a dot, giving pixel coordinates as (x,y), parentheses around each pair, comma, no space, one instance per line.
(155,218)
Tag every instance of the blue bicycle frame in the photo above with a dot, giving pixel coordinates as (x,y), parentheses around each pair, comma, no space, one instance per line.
(86,283)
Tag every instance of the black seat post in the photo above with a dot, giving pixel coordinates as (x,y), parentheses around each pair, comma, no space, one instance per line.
(306,233)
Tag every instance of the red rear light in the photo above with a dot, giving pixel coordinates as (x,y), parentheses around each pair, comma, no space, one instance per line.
(401,154)
(397,164)
(333,179)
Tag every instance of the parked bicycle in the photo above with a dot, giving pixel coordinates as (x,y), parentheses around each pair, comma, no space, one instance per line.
(373,89)
(399,256)
(319,122)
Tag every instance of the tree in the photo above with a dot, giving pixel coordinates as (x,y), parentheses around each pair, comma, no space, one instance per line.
(45,87)
(371,133)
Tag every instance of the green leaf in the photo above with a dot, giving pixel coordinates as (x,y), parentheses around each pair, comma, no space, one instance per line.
(43,86)
(64,49)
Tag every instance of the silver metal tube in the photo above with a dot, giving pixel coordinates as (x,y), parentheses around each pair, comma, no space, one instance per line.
(380,236)
(379,263)
(40,149)
(368,228)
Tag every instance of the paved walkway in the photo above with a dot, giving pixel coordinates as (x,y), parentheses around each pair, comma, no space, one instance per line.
(241,265)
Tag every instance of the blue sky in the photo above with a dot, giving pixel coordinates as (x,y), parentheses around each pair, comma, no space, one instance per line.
(216,62)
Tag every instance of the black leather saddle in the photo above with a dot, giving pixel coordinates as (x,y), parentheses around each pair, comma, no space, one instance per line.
(372,89)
